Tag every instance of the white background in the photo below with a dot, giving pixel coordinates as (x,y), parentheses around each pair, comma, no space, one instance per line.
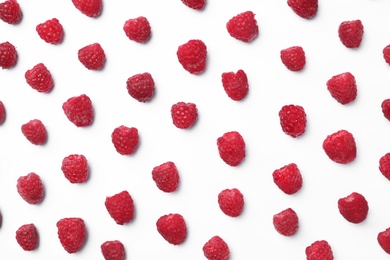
(203,174)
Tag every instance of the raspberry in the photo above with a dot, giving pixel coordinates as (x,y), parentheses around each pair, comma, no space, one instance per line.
(166,177)
(92,56)
(384,240)
(141,87)
(292,120)
(2,113)
(195,4)
(192,56)
(384,165)
(231,148)
(50,31)
(35,132)
(231,202)
(304,8)
(351,33)
(79,110)
(386,108)
(172,228)
(340,147)
(27,237)
(184,115)
(75,168)
(216,249)
(243,27)
(72,234)
(120,207)
(319,250)
(30,188)
(342,87)
(113,250)
(8,55)
(10,12)
(137,29)
(354,207)
(386,54)
(235,84)
(293,58)
(288,178)
(40,78)
(91,8)
(125,139)
(286,222)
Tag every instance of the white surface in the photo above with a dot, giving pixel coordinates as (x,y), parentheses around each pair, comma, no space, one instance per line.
(203,174)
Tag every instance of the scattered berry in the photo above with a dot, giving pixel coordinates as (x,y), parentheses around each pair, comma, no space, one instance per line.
(1,219)
(27,237)
(35,132)
(304,8)
(172,228)
(137,29)
(120,207)
(384,165)
(286,222)
(288,178)
(113,250)
(386,108)
(231,202)
(216,249)
(72,234)
(386,54)
(92,56)
(384,240)
(319,250)
(340,147)
(292,120)
(30,188)
(243,27)
(351,33)
(91,8)
(195,4)
(50,31)
(79,110)
(235,84)
(141,87)
(166,177)
(342,87)
(125,139)
(10,12)
(354,207)
(192,56)
(184,115)
(8,55)
(231,148)
(75,168)
(2,113)
(293,58)
(40,78)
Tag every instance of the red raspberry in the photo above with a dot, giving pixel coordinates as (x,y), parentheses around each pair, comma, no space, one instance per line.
(141,87)
(120,207)
(293,58)
(184,115)
(192,56)
(125,139)
(195,4)
(386,108)
(113,250)
(351,33)
(72,234)
(235,84)
(27,237)
(304,8)
(354,208)
(92,56)
(243,27)
(172,228)
(30,188)
(231,202)
(75,168)
(319,250)
(384,165)
(231,148)
(2,113)
(166,177)
(216,249)
(384,240)
(342,87)
(35,132)
(10,12)
(40,78)
(137,29)
(288,178)
(91,8)
(340,147)
(386,54)
(292,120)
(50,31)
(8,55)
(79,110)
(286,222)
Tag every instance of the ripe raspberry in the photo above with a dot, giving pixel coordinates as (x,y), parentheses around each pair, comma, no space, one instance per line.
(292,120)
(351,33)
(172,228)
(243,27)
(2,113)
(141,87)
(10,12)
(40,78)
(293,58)
(386,108)
(50,31)
(35,132)
(384,240)
(184,115)
(286,222)
(120,207)
(384,165)
(342,87)
(231,202)
(91,8)
(288,178)
(386,54)
(354,207)
(216,249)
(340,147)
(125,139)
(195,4)
(75,168)
(79,110)
(27,237)
(235,84)
(192,56)
(319,250)
(166,177)
(304,8)
(72,234)
(8,55)
(113,250)
(30,188)
(137,29)
(92,56)
(231,148)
